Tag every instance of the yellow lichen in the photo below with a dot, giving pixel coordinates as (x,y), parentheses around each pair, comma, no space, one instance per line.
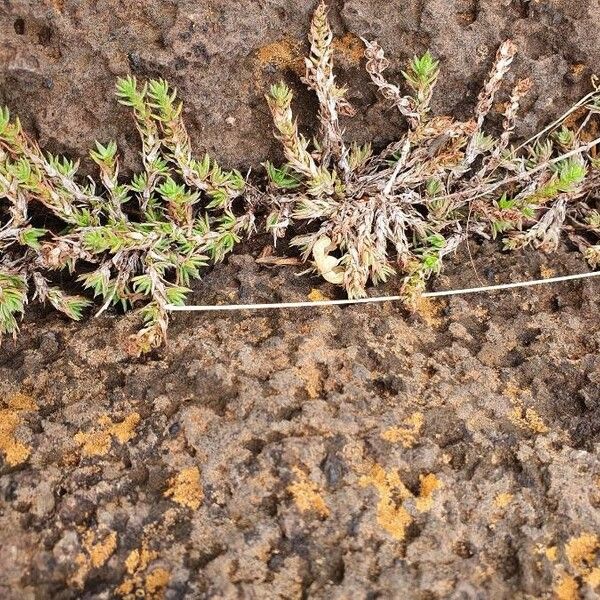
(185,488)
(125,430)
(429,483)
(407,433)
(349,47)
(430,311)
(503,499)
(98,441)
(578,69)
(547,272)
(22,402)
(157,581)
(94,443)
(581,551)
(391,514)
(140,584)
(317,296)
(307,494)
(566,588)
(15,452)
(126,589)
(96,554)
(513,392)
(100,552)
(593,578)
(551,553)
(527,418)
(284,54)
(83,568)
(132,561)
(522,416)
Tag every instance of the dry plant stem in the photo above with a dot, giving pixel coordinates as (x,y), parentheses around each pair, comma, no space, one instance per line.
(320,77)
(504,59)
(558,121)
(486,190)
(510,115)
(377,63)
(294,145)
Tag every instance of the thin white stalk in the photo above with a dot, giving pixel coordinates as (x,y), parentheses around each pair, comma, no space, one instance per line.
(377,299)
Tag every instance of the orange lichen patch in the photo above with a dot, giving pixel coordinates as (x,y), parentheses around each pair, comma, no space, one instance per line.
(100,552)
(593,578)
(551,553)
(185,488)
(15,452)
(430,311)
(391,514)
(22,402)
(577,69)
(98,441)
(96,554)
(125,430)
(513,392)
(138,560)
(83,568)
(349,47)
(566,588)
(157,581)
(307,495)
(407,433)
(429,483)
(132,561)
(317,296)
(94,443)
(522,416)
(503,499)
(547,272)
(140,584)
(581,551)
(284,54)
(480,312)
(527,418)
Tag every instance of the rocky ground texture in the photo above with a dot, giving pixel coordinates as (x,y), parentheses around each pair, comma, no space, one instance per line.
(335,453)
(355,452)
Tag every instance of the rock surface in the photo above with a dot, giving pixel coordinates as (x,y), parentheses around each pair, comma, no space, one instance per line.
(60,58)
(341,453)
(336,453)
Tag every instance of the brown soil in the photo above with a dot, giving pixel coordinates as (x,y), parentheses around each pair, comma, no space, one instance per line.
(354,452)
